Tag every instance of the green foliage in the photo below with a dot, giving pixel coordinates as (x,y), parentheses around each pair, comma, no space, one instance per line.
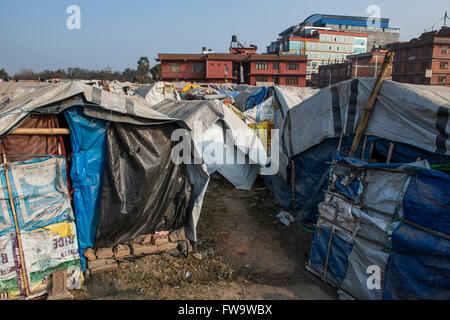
(156,72)
(3,74)
(143,70)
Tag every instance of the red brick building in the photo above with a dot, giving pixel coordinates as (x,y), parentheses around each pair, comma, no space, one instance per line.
(424,60)
(333,73)
(247,68)
(364,65)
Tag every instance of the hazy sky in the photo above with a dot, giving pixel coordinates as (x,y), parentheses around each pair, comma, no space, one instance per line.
(116,33)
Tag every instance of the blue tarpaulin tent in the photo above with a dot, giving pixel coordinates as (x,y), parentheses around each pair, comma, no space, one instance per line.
(397,220)
(88,136)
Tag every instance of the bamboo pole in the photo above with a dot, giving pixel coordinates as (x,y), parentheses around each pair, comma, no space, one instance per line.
(16,225)
(371,103)
(391,150)
(40,131)
(412,224)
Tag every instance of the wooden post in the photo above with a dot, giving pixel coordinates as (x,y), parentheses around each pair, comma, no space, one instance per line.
(391,150)
(371,103)
(364,148)
(16,225)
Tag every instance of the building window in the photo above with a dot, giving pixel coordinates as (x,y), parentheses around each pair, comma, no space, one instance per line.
(276,66)
(314,64)
(411,67)
(174,67)
(262,66)
(261,79)
(444,65)
(198,67)
(276,80)
(442,79)
(445,50)
(292,66)
(291,80)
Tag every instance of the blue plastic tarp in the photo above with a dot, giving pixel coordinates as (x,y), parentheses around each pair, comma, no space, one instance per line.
(419,264)
(338,258)
(256,98)
(88,137)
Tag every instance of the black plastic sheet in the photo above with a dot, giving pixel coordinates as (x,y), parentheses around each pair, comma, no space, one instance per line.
(143,190)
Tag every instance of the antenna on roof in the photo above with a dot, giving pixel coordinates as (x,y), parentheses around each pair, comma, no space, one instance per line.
(445,18)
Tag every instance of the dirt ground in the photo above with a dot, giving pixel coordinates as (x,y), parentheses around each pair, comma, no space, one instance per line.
(246,255)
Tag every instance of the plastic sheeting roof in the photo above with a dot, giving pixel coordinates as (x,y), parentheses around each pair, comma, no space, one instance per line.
(17,101)
(410,114)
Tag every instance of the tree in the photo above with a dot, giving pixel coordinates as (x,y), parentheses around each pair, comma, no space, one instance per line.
(26,74)
(143,70)
(129,75)
(3,74)
(156,72)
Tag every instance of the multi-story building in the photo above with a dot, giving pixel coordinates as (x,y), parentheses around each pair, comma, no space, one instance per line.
(424,60)
(329,39)
(234,68)
(324,47)
(379,32)
(363,65)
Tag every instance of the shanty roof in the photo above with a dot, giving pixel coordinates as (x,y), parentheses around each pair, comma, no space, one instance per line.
(416,115)
(18,100)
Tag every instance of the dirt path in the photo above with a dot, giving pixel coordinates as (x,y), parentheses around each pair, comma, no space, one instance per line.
(247,255)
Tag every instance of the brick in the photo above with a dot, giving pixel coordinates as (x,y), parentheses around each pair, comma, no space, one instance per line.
(144,239)
(100,263)
(159,239)
(168,246)
(89,254)
(105,269)
(59,287)
(121,251)
(104,253)
(139,249)
(177,235)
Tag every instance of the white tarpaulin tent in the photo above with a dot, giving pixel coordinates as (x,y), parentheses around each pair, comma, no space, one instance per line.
(411,114)
(212,118)
(157,92)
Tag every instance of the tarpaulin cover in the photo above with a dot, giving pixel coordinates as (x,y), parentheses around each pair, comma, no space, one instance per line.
(414,263)
(32,145)
(419,264)
(143,190)
(213,124)
(256,98)
(39,190)
(410,114)
(88,137)
(157,92)
(311,171)
(233,94)
(45,220)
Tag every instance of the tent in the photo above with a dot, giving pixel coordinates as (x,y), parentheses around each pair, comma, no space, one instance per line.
(157,92)
(209,121)
(112,138)
(383,231)
(411,116)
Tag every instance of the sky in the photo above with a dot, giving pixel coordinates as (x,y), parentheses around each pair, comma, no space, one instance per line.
(116,33)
